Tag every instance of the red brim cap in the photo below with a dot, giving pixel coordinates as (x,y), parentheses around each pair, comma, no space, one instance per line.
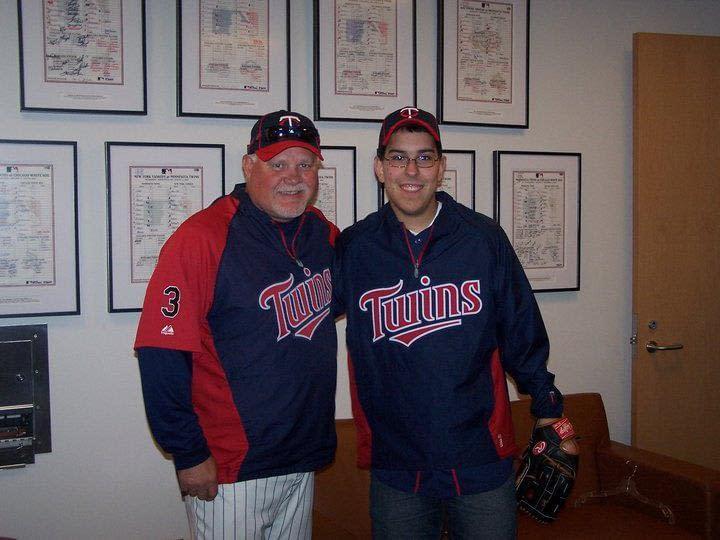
(270,151)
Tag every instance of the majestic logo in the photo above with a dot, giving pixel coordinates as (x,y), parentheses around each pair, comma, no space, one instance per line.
(168,330)
(298,309)
(408,317)
(288,119)
(409,112)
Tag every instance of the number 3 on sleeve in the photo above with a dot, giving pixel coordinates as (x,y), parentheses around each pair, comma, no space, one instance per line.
(173,307)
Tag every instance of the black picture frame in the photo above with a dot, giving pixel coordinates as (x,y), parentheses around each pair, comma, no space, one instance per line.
(194,100)
(374,106)
(51,284)
(144,163)
(487,100)
(538,204)
(118,92)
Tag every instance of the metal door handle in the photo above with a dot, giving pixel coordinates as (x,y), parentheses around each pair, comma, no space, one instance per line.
(652,346)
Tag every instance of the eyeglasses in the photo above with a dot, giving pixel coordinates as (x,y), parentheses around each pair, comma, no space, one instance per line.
(423,161)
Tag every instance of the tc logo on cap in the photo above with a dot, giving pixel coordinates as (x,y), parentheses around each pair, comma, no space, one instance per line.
(288,120)
(409,112)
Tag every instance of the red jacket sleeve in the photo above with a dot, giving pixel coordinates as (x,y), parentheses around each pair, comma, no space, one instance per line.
(179,294)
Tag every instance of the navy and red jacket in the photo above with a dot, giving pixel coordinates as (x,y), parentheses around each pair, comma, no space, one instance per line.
(429,343)
(237,345)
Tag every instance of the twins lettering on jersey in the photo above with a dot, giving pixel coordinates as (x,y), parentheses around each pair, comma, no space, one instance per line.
(298,309)
(406,317)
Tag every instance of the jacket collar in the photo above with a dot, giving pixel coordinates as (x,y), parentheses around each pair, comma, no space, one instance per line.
(445,223)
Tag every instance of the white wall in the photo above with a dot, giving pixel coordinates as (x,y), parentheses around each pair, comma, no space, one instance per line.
(104,477)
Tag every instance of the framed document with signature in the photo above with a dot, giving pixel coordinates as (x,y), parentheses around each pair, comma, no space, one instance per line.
(364,58)
(538,205)
(39,272)
(86,57)
(483,62)
(151,189)
(233,57)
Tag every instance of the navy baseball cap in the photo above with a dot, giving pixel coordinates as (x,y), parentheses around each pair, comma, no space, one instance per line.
(280,130)
(408,116)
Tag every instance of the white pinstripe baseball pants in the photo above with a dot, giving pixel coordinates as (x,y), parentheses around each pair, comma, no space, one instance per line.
(275,508)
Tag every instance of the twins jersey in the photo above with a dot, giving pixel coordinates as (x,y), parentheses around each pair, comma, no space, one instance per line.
(251,306)
(431,337)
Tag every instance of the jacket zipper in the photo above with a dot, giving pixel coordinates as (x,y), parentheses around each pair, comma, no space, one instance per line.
(291,250)
(416,262)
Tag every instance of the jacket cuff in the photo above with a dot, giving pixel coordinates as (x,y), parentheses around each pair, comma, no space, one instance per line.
(188,460)
(547,404)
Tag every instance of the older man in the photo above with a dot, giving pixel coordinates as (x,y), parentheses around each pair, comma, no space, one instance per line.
(237,347)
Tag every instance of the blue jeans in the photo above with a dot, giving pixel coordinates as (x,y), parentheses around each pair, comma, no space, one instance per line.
(398,515)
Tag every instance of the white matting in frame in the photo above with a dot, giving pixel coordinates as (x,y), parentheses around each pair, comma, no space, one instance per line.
(483,62)
(151,189)
(233,57)
(86,57)
(336,185)
(39,273)
(538,206)
(364,56)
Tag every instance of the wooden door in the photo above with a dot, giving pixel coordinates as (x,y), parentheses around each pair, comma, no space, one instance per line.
(676,262)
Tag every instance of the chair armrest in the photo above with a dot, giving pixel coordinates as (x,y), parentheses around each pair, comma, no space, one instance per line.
(692,492)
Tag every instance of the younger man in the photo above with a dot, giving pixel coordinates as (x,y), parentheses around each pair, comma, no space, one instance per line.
(438,309)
